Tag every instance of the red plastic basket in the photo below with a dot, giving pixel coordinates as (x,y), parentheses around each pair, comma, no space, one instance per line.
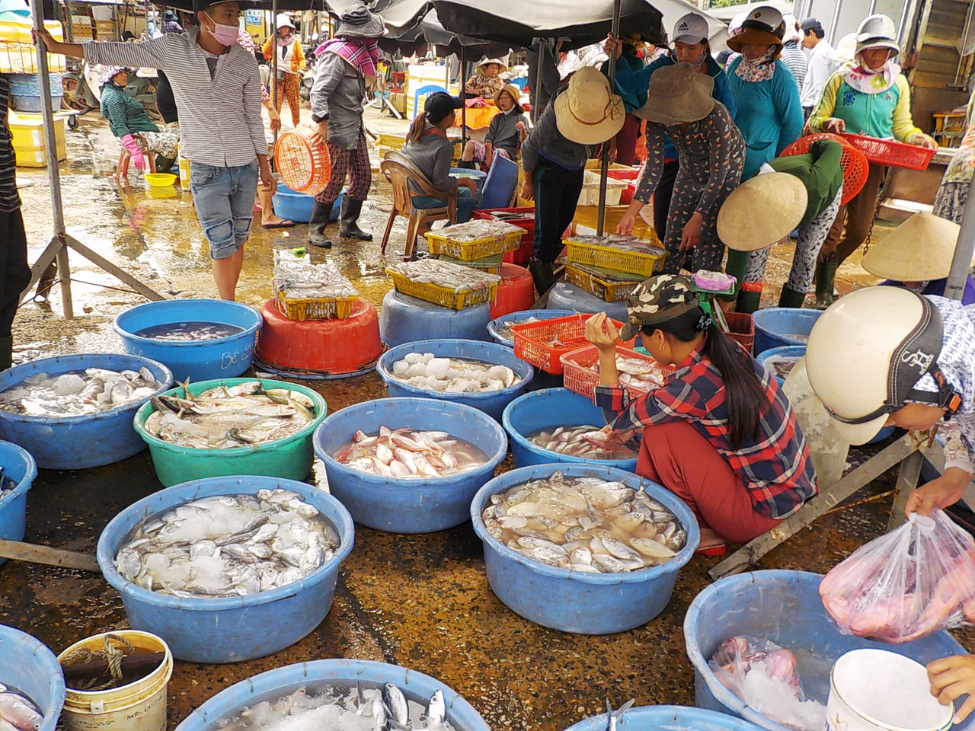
(802,145)
(854,163)
(582,380)
(889,152)
(544,343)
(527,248)
(304,167)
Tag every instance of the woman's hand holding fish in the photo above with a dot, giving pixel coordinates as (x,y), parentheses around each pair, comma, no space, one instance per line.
(601,332)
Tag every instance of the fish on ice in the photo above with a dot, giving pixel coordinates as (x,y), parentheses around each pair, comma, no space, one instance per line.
(78,393)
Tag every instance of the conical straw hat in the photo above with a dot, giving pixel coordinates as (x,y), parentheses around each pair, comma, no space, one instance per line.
(761,211)
(918,250)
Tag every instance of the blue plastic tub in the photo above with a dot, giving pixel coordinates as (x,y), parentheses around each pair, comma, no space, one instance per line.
(29,666)
(671,718)
(776,327)
(280,682)
(404,319)
(25,93)
(547,409)
(408,505)
(297,206)
(491,403)
(564,296)
(479,176)
(584,603)
(78,442)
(784,607)
(199,361)
(229,629)
(785,351)
(517,317)
(20,467)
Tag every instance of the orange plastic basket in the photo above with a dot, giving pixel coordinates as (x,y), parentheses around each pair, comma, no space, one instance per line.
(891,153)
(304,167)
(582,380)
(854,163)
(544,343)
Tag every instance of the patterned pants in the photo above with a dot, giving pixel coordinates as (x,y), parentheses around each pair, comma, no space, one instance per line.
(811,238)
(709,250)
(289,89)
(951,200)
(355,164)
(165,143)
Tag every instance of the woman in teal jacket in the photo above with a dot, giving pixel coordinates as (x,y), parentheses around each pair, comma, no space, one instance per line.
(128,121)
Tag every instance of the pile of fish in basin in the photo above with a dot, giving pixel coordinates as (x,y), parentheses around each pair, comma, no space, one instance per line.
(602,545)
(31,683)
(203,563)
(409,465)
(233,426)
(75,411)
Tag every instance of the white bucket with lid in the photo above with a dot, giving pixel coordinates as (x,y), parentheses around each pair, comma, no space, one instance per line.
(877,690)
(138,706)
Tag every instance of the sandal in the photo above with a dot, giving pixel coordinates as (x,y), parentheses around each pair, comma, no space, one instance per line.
(714,551)
(280,224)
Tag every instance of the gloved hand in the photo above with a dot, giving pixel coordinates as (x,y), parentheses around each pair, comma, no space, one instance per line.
(138,157)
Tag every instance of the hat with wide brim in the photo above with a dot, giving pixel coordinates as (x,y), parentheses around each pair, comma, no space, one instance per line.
(483,65)
(761,211)
(514,92)
(919,250)
(678,94)
(587,112)
(752,35)
(762,25)
(360,22)
(283,21)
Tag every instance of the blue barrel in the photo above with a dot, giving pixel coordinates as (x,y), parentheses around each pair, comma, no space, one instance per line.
(399,505)
(491,403)
(564,296)
(30,667)
(786,351)
(515,317)
(672,718)
(776,327)
(404,319)
(227,629)
(321,674)
(19,466)
(784,607)
(197,360)
(548,409)
(584,603)
(297,207)
(78,442)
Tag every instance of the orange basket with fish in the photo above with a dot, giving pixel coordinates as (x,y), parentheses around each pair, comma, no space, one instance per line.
(639,373)
(544,343)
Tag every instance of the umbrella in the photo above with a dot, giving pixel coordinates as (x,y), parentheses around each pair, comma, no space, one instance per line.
(429,31)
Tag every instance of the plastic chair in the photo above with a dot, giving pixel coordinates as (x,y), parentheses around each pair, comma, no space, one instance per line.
(400,172)
(422,93)
(122,169)
(398,82)
(500,184)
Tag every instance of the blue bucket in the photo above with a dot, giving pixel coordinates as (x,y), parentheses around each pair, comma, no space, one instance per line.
(228,629)
(672,718)
(786,351)
(408,505)
(29,666)
(784,607)
(564,296)
(584,603)
(491,403)
(78,442)
(515,317)
(547,409)
(297,206)
(277,683)
(19,466)
(404,319)
(199,360)
(777,327)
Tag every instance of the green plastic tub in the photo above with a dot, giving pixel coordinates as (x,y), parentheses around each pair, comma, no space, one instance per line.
(289,458)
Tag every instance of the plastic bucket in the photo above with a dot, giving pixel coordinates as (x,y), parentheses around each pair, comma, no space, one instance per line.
(897,696)
(784,607)
(404,319)
(289,458)
(565,296)
(409,505)
(30,667)
(138,706)
(776,327)
(78,442)
(547,409)
(197,360)
(491,403)
(786,351)
(20,467)
(516,291)
(671,718)
(584,603)
(227,629)
(277,683)
(515,317)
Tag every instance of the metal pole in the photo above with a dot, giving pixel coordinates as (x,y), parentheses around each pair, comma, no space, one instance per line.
(604,172)
(961,263)
(536,88)
(835,22)
(462,83)
(274,59)
(51,149)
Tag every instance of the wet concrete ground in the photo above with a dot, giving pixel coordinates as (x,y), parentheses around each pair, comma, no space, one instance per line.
(422,602)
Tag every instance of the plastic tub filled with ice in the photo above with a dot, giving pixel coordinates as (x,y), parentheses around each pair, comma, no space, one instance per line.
(671,718)
(500,327)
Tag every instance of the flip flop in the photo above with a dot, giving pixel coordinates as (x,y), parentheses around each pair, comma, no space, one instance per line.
(719,549)
(280,224)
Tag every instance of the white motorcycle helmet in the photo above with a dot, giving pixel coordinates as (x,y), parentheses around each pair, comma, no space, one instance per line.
(867,352)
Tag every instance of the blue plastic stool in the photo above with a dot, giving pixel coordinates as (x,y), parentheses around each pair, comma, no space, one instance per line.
(502,179)
(569,297)
(421,94)
(405,319)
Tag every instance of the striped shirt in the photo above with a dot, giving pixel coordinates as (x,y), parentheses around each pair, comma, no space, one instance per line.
(9,199)
(219,118)
(796,61)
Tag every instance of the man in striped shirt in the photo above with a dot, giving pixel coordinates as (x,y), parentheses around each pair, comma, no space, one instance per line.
(217,88)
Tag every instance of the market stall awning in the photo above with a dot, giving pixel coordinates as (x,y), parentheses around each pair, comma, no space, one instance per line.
(429,31)
(187,5)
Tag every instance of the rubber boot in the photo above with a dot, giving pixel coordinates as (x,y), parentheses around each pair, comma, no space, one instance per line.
(316,225)
(350,215)
(542,274)
(748,301)
(791,298)
(164,164)
(6,352)
(825,274)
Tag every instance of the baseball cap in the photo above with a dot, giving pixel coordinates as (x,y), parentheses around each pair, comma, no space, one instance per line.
(692,28)
(657,300)
(811,24)
(439,105)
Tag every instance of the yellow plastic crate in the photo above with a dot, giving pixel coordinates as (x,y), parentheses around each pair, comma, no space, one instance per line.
(489,264)
(27,135)
(465,250)
(441,295)
(337,308)
(602,288)
(609,258)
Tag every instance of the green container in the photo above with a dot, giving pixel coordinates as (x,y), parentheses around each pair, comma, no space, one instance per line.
(289,458)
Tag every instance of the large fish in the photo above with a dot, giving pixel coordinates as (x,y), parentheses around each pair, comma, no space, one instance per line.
(410,454)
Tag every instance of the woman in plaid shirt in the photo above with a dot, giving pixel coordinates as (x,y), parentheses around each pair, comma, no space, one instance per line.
(720,433)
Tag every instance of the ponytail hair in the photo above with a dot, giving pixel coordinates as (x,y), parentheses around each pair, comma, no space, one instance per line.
(416,129)
(745,395)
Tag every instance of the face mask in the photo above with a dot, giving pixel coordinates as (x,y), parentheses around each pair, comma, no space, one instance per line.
(225,35)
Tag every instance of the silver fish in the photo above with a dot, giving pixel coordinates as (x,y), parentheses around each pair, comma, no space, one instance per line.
(19,711)
(585,441)
(77,393)
(444,274)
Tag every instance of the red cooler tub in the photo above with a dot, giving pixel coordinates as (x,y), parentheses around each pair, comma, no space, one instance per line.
(515,293)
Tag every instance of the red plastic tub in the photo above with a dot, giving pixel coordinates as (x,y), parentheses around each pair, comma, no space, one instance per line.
(630,190)
(515,293)
(524,253)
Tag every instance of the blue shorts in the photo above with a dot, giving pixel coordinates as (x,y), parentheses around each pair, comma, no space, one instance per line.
(224,200)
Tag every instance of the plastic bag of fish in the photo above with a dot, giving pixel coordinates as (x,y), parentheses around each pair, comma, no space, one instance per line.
(229,545)
(444,274)
(453,375)
(311,281)
(585,441)
(341,709)
(407,453)
(226,417)
(17,711)
(478,230)
(78,393)
(619,241)
(585,524)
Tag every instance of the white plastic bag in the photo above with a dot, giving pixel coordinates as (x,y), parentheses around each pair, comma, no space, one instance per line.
(917,579)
